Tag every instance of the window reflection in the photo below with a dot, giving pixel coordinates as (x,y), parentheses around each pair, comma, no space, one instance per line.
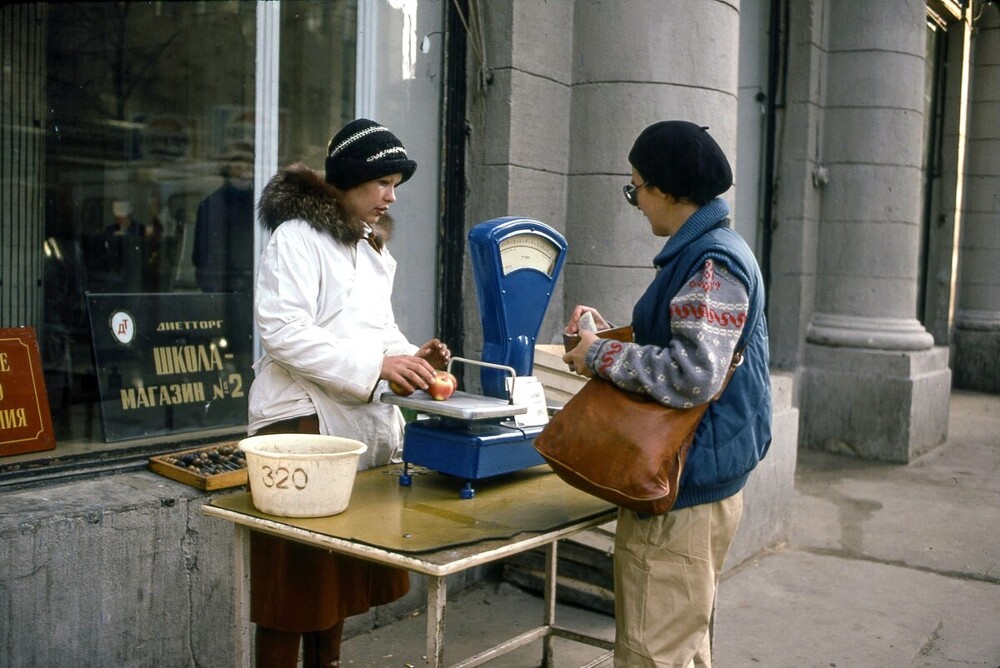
(150,122)
(148,172)
(224,228)
(147,102)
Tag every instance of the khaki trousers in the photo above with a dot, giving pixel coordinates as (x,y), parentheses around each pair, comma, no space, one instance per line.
(667,571)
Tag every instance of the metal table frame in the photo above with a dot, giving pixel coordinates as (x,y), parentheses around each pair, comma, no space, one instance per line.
(436,565)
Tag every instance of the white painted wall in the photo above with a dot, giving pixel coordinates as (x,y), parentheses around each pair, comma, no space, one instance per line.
(400,86)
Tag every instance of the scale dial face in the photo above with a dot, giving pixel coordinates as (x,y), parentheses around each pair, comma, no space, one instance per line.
(528,250)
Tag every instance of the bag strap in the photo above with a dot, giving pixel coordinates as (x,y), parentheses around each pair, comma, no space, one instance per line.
(736,361)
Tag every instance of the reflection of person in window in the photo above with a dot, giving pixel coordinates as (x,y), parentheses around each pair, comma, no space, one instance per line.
(124,224)
(223,236)
(124,249)
(63,319)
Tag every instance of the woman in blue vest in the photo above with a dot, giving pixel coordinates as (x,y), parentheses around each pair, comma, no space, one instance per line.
(705,303)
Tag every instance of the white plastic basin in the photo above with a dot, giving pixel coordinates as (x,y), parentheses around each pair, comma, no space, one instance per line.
(301,475)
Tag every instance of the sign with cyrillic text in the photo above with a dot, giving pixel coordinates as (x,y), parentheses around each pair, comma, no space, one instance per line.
(25,420)
(169,363)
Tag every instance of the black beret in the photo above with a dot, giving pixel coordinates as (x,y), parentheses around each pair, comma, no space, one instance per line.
(681,159)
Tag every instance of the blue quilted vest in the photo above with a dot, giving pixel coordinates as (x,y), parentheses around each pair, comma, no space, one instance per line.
(736,430)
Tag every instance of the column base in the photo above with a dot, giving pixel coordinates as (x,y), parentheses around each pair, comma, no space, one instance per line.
(868,332)
(875,404)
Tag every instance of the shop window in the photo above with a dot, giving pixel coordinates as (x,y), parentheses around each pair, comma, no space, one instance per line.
(137,186)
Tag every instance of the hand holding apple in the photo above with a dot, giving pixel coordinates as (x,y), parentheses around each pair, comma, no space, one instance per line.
(406,373)
(400,389)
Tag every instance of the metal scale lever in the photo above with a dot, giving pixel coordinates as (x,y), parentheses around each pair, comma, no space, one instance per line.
(490,365)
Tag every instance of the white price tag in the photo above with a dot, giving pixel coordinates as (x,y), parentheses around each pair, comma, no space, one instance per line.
(528,392)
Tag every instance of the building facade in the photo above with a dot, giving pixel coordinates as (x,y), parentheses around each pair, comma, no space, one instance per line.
(863,135)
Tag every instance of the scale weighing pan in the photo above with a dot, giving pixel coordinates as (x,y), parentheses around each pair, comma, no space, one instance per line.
(460,405)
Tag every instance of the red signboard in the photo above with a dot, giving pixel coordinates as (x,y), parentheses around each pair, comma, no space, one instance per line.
(25,421)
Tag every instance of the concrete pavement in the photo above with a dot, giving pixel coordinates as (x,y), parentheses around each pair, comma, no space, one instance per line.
(885,565)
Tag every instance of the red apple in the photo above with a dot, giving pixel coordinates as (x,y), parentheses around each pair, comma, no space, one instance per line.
(442,386)
(401,390)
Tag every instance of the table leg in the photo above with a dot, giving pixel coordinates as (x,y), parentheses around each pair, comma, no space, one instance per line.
(243,645)
(551,580)
(437,598)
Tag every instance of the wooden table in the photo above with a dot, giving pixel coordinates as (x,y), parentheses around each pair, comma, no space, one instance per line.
(427,528)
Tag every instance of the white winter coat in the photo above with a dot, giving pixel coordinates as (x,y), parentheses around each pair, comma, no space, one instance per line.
(325,318)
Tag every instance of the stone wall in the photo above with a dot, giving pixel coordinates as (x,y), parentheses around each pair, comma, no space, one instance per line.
(120,570)
(125,570)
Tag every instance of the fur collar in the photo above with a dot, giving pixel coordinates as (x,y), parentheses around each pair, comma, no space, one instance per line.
(297,192)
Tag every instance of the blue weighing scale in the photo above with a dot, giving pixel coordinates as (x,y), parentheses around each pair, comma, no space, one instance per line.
(515,262)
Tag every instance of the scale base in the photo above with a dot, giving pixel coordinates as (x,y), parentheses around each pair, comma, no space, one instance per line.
(471,451)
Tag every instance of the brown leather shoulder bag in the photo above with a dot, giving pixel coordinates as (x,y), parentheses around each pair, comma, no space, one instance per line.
(622,447)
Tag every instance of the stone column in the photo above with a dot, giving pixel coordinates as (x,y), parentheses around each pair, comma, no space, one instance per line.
(520,71)
(636,63)
(874,384)
(795,219)
(977,332)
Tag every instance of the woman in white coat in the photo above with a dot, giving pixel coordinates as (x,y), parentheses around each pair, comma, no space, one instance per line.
(329,340)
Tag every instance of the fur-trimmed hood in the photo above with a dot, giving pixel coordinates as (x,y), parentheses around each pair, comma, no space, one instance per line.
(298,192)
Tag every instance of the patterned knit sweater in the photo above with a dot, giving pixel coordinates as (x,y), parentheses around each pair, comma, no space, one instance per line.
(707,317)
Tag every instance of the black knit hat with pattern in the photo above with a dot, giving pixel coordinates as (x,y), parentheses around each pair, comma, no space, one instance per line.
(682,159)
(362,151)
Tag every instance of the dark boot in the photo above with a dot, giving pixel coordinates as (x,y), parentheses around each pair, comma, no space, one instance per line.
(277,649)
(321,649)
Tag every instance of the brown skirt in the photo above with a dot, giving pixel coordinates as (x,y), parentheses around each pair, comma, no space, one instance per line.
(300,588)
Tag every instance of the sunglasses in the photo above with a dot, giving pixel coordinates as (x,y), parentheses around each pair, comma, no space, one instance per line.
(631,193)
